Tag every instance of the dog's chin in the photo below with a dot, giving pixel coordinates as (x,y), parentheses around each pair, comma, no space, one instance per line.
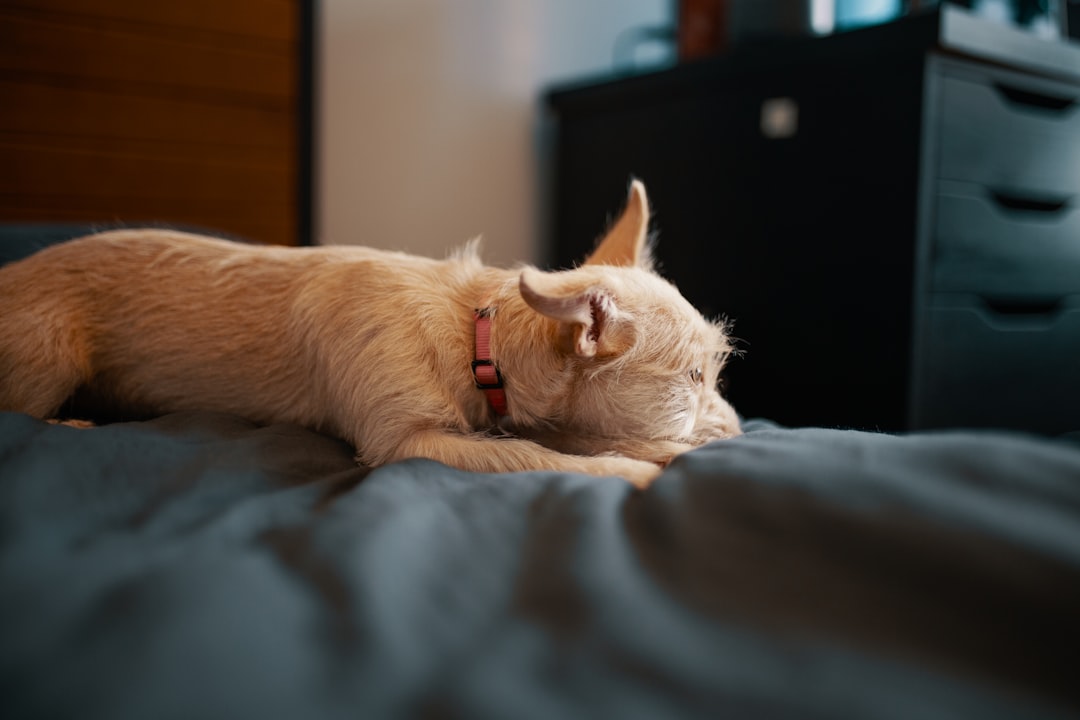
(705,437)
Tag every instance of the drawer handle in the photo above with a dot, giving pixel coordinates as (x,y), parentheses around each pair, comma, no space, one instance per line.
(1023,307)
(1029,98)
(1022,203)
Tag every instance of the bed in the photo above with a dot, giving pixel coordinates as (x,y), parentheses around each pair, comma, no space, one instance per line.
(199,566)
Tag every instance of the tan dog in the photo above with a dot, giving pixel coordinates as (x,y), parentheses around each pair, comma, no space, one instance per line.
(606,369)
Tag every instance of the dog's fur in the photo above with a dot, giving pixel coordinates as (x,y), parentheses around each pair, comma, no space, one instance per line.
(608,370)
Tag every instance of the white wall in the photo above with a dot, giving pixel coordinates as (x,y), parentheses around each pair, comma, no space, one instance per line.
(427,114)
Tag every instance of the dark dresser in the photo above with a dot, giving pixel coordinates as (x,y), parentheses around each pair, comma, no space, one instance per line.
(890,217)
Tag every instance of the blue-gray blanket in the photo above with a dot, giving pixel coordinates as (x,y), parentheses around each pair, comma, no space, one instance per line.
(198,566)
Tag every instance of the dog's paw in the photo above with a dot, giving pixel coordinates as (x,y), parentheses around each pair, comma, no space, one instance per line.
(71,422)
(638,473)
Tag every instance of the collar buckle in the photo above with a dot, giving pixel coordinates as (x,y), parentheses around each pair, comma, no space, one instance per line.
(486,375)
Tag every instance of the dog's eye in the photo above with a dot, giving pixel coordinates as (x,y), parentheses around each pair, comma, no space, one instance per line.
(696,376)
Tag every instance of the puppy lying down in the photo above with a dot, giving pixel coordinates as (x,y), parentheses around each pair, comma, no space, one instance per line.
(604,369)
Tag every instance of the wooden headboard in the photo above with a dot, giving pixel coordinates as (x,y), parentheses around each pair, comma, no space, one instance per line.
(194,114)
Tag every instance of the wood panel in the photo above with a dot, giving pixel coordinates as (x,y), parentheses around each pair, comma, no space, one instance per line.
(41,110)
(130,112)
(265,19)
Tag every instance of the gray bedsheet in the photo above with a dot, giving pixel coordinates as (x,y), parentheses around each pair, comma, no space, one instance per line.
(198,566)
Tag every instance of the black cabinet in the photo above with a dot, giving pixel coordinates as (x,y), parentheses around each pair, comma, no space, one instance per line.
(891,217)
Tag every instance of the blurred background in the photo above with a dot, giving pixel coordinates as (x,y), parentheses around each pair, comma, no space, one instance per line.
(397,123)
(413,124)
(429,113)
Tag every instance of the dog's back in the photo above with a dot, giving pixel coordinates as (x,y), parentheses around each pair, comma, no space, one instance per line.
(158,320)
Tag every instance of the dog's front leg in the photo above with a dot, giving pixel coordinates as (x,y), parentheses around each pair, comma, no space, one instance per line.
(482,453)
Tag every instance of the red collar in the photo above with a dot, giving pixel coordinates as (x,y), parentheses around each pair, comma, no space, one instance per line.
(485,373)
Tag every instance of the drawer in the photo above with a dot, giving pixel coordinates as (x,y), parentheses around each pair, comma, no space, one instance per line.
(981,368)
(1009,131)
(1005,244)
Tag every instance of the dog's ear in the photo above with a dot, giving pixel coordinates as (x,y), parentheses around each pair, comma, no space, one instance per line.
(588,318)
(626,243)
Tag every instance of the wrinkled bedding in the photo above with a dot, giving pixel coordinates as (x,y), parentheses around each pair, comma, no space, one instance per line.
(199,566)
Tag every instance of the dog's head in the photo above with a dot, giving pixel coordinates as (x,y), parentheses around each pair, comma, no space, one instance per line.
(641,364)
